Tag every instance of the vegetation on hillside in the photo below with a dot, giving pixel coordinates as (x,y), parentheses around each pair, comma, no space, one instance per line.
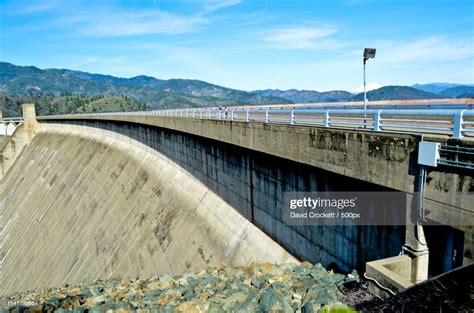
(47,104)
(307,96)
(458,92)
(61,91)
(396,93)
(155,93)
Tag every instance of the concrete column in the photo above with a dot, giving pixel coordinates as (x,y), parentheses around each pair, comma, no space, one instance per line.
(417,248)
(1,114)
(29,116)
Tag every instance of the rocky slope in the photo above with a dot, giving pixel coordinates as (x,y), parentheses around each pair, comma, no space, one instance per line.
(256,288)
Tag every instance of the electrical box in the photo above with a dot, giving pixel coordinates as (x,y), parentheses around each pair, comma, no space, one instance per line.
(428,153)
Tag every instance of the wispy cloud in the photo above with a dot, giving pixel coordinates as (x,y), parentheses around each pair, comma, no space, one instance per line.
(436,48)
(215,5)
(145,22)
(110,20)
(30,7)
(302,37)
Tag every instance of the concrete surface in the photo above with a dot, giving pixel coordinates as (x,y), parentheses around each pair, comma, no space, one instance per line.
(254,184)
(83,203)
(392,273)
(11,147)
(385,159)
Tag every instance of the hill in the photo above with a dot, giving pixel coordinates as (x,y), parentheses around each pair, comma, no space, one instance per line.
(48,104)
(189,87)
(307,96)
(153,92)
(20,83)
(434,87)
(458,92)
(396,93)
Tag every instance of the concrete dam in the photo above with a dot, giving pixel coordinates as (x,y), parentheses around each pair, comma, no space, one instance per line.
(81,204)
(96,196)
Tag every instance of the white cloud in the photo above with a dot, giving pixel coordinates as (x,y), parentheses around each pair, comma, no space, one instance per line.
(369,87)
(111,20)
(33,8)
(124,23)
(302,37)
(214,5)
(429,49)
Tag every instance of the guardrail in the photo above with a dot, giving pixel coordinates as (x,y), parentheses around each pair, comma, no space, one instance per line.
(9,125)
(454,123)
(452,104)
(11,120)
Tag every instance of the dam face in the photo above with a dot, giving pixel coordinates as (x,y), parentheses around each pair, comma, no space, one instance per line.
(83,203)
(253,183)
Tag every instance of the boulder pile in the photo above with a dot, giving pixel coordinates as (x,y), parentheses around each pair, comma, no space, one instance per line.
(255,288)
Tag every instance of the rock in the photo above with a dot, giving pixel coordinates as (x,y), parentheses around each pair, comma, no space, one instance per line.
(154,285)
(311,307)
(193,307)
(257,287)
(257,283)
(230,302)
(271,301)
(96,290)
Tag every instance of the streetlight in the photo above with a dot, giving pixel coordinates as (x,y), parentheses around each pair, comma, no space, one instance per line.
(368,54)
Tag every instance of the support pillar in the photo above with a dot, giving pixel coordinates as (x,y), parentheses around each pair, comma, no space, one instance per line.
(417,249)
(30,122)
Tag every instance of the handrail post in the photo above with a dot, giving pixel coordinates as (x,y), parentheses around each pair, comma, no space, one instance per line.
(326,118)
(377,120)
(232,115)
(458,124)
(247,116)
(266,116)
(292,117)
(209,111)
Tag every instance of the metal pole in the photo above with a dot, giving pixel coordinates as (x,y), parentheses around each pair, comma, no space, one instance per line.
(365,92)
(365,97)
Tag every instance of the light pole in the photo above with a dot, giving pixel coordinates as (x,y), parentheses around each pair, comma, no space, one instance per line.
(368,54)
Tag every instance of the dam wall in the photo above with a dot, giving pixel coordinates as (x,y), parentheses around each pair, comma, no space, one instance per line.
(83,203)
(254,183)
(384,159)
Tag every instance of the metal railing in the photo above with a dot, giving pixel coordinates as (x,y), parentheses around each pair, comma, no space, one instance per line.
(456,156)
(456,123)
(9,125)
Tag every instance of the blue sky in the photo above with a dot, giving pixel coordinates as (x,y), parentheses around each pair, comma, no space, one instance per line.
(247,44)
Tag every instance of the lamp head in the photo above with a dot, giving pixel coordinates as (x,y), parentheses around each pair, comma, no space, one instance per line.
(369,53)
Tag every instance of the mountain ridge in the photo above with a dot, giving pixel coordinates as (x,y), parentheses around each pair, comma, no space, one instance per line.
(155,93)
(150,93)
